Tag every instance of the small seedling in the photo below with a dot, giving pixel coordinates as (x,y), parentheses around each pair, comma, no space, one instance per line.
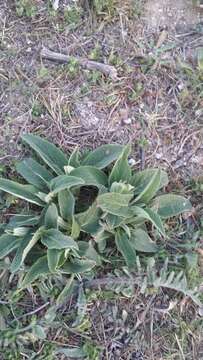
(37,109)
(72,67)
(26,7)
(95,54)
(72,15)
(102,7)
(43,72)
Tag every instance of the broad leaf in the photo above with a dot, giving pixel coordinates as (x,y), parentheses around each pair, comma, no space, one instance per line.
(150,190)
(171,205)
(34,173)
(142,178)
(51,217)
(21,191)
(125,247)
(89,219)
(76,353)
(102,235)
(74,159)
(22,220)
(103,156)
(63,182)
(75,230)
(81,307)
(114,199)
(121,170)
(66,202)
(115,203)
(20,231)
(151,216)
(39,268)
(122,188)
(77,266)
(53,256)
(25,246)
(8,243)
(51,155)
(39,332)
(90,175)
(54,239)
(142,242)
(66,292)
(113,221)
(86,249)
(101,238)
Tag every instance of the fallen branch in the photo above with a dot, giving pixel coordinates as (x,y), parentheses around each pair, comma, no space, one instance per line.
(107,70)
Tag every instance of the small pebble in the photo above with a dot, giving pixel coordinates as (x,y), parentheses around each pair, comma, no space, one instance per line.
(131,162)
(181,86)
(127,121)
(158,156)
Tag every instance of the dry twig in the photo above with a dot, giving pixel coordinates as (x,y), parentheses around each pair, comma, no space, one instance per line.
(105,69)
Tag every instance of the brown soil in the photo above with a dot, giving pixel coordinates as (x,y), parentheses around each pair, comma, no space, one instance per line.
(172,14)
(156,100)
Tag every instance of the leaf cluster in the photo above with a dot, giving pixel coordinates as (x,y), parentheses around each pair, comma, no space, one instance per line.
(63,231)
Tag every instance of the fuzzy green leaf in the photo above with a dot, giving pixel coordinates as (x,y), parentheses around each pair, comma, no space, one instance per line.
(122,188)
(81,307)
(22,220)
(75,230)
(53,256)
(51,217)
(103,156)
(121,170)
(22,191)
(39,268)
(76,353)
(151,216)
(66,292)
(77,266)
(89,219)
(66,202)
(101,238)
(90,175)
(34,173)
(74,159)
(107,199)
(142,242)
(151,189)
(114,203)
(171,205)
(39,332)
(51,155)
(63,182)
(86,249)
(54,239)
(113,221)
(142,178)
(25,246)
(125,247)
(8,243)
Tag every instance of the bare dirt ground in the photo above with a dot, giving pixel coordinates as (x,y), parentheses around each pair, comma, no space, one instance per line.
(156,103)
(172,14)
